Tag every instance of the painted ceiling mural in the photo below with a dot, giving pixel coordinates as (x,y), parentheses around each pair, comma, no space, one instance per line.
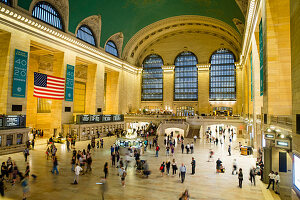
(130,16)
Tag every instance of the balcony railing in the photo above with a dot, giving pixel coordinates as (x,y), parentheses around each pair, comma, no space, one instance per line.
(285,120)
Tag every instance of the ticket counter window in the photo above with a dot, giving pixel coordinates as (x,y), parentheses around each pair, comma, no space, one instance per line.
(0,141)
(19,138)
(9,140)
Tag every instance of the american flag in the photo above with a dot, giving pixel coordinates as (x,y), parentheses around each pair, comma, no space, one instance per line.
(49,87)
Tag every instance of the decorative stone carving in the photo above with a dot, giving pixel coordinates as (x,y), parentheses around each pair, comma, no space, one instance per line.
(81,71)
(243,4)
(94,23)
(62,6)
(239,24)
(117,38)
(46,62)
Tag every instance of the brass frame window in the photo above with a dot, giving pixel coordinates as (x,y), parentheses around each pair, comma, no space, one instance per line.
(152,78)
(186,77)
(222,76)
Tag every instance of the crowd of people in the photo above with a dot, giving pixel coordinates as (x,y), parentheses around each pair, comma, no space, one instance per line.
(81,161)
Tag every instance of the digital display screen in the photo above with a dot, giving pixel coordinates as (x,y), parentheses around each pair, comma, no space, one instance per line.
(12,121)
(1,122)
(85,118)
(296,169)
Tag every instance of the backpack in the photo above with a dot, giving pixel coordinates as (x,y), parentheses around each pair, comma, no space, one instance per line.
(161,168)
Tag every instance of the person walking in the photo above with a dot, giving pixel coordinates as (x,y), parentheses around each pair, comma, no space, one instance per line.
(2,185)
(195,138)
(73,162)
(271,180)
(182,147)
(187,148)
(26,154)
(123,175)
(277,181)
(113,159)
(105,170)
(174,167)
(162,168)
(252,175)
(193,163)
(68,145)
(182,172)
(211,153)
(229,150)
(77,171)
(168,165)
(218,165)
(101,143)
(240,177)
(192,148)
(55,164)
(234,167)
(32,143)
(157,150)
(167,150)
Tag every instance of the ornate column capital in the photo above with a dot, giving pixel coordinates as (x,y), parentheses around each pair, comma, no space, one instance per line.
(169,68)
(203,67)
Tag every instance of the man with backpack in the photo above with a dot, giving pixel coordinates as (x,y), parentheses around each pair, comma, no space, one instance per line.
(157,150)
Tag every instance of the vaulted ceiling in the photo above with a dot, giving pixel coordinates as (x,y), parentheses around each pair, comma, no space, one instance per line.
(130,16)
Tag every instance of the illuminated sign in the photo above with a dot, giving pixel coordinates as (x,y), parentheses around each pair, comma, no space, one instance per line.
(86,119)
(269,136)
(282,143)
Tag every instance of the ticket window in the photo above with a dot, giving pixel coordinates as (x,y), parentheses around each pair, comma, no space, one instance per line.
(19,138)
(9,140)
(0,140)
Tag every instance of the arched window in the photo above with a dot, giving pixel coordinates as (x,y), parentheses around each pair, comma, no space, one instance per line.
(222,76)
(48,14)
(111,48)
(152,83)
(84,33)
(186,77)
(7,2)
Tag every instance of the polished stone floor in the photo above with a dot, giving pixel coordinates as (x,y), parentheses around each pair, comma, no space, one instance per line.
(205,184)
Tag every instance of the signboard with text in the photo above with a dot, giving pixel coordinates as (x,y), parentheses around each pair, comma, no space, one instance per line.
(86,119)
(69,83)
(20,74)
(261,58)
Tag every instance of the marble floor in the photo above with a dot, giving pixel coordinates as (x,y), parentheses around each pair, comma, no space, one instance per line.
(205,184)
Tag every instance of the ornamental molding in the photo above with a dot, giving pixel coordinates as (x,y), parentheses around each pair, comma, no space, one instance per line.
(25,23)
(158,29)
(94,23)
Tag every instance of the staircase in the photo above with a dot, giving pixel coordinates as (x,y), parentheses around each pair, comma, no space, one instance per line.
(192,132)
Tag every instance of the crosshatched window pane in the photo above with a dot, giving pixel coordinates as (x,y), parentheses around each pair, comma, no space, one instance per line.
(152,83)
(111,48)
(7,2)
(84,33)
(222,76)
(48,14)
(186,77)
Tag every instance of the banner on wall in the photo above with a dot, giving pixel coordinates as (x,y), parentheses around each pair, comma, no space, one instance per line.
(69,83)
(251,64)
(20,74)
(261,58)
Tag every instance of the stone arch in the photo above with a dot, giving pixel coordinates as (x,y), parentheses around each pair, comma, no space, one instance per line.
(62,6)
(94,23)
(117,38)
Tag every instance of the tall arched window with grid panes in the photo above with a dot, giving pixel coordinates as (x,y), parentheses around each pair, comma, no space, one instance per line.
(111,48)
(152,79)
(48,14)
(186,77)
(85,33)
(222,76)
(7,2)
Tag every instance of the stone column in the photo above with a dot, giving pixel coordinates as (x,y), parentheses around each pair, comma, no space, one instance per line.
(168,86)
(203,88)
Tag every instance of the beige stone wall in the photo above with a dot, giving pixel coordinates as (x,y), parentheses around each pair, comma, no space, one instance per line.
(278,58)
(203,91)
(4,58)
(295,60)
